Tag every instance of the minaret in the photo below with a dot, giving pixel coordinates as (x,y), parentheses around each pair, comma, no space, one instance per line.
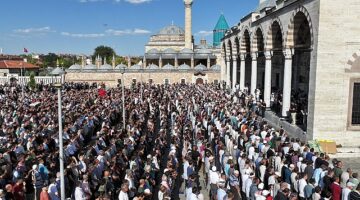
(113,62)
(188,24)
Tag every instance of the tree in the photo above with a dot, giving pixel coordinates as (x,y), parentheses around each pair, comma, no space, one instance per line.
(49,60)
(32,83)
(104,52)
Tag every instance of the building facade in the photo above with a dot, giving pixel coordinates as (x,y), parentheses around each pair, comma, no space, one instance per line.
(170,57)
(305,52)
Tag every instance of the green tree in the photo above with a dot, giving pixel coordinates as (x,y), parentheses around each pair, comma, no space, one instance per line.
(104,52)
(32,83)
(49,60)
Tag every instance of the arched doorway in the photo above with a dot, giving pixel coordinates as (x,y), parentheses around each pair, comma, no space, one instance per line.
(277,66)
(231,61)
(301,67)
(258,46)
(237,51)
(300,39)
(245,49)
(199,81)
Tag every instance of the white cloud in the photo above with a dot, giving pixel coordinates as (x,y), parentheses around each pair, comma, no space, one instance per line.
(137,1)
(141,31)
(45,29)
(204,33)
(136,31)
(83,35)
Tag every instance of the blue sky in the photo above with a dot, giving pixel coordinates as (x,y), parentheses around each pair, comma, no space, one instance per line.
(78,26)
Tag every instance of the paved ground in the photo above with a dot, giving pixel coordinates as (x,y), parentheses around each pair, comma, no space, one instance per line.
(353,163)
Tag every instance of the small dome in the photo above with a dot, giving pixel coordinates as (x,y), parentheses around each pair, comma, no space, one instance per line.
(106,67)
(153,51)
(121,66)
(200,67)
(203,51)
(57,71)
(184,67)
(216,67)
(136,67)
(168,66)
(90,67)
(169,51)
(153,66)
(171,30)
(186,50)
(75,67)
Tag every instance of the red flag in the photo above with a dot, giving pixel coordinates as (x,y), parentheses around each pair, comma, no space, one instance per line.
(25,50)
(102,92)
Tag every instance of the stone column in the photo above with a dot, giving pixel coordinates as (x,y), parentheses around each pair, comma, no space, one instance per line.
(176,61)
(267,85)
(188,24)
(234,75)
(254,57)
(208,62)
(192,61)
(129,62)
(223,68)
(160,62)
(242,71)
(228,71)
(288,53)
(144,63)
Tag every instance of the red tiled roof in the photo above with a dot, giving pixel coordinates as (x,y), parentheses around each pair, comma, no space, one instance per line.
(15,64)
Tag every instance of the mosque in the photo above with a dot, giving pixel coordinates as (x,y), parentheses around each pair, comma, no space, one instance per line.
(170,57)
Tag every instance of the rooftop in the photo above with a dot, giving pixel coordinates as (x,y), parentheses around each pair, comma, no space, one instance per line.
(15,64)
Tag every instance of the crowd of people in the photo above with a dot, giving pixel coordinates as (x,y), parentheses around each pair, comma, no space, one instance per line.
(178,139)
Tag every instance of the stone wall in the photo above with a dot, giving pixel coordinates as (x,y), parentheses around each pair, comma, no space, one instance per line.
(111,79)
(338,40)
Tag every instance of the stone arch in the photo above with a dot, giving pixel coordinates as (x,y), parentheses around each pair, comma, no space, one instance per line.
(237,45)
(257,42)
(273,34)
(245,41)
(230,48)
(294,24)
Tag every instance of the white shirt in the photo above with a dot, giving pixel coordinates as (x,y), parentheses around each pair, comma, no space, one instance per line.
(186,165)
(248,183)
(302,184)
(79,194)
(213,177)
(345,193)
(160,195)
(251,152)
(262,170)
(123,196)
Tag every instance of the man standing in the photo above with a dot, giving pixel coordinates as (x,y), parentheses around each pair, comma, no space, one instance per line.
(346,191)
(123,195)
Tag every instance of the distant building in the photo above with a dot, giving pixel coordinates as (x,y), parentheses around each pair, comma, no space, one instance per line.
(16,67)
(170,57)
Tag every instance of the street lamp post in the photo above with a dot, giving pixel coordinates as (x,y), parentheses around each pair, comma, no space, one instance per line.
(61,146)
(141,87)
(122,71)
(22,78)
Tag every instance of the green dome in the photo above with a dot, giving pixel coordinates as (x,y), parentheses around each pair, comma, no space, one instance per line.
(221,24)
(219,30)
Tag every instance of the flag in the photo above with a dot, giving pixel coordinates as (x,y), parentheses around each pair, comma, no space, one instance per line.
(25,50)
(102,92)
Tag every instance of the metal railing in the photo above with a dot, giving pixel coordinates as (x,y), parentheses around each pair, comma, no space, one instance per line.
(25,79)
